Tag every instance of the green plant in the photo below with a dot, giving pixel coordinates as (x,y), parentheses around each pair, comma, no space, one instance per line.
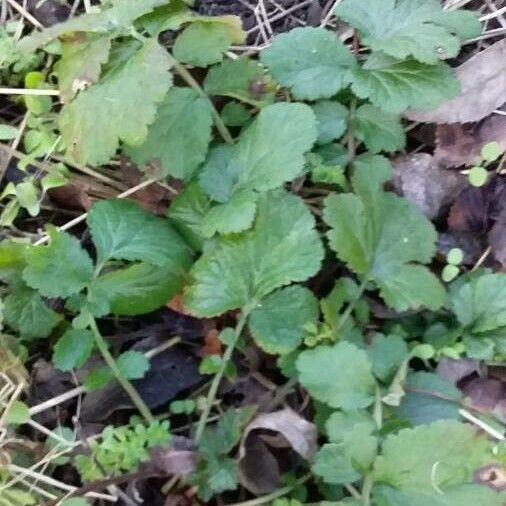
(309,110)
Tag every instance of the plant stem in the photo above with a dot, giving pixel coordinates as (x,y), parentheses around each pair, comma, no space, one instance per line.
(213,389)
(189,79)
(352,147)
(127,386)
(352,304)
(366,490)
(273,495)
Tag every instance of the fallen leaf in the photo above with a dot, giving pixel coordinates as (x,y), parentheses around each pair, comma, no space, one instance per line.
(456,370)
(494,476)
(420,180)
(483,89)
(460,145)
(473,245)
(258,468)
(497,240)
(212,343)
(484,394)
(176,304)
(180,458)
(72,196)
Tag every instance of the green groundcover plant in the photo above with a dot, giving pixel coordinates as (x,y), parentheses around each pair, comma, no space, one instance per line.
(245,235)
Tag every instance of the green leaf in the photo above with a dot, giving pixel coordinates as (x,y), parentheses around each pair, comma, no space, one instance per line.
(28,197)
(235,114)
(461,495)
(133,364)
(179,137)
(243,79)
(333,466)
(73,349)
(277,323)
(429,398)
(203,42)
(120,15)
(187,213)
(269,153)
(26,313)
(394,85)
(81,61)
(331,118)
(98,379)
(480,303)
(312,62)
(75,501)
(118,108)
(379,130)
(282,247)
(387,353)
(380,235)
(17,414)
(230,217)
(338,375)
(137,289)
(441,454)
(401,28)
(8,132)
(122,230)
(59,269)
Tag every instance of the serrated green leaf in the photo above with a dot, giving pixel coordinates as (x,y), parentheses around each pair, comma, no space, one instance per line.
(379,130)
(331,119)
(243,79)
(269,153)
(73,349)
(429,398)
(117,108)
(396,85)
(26,313)
(187,213)
(480,303)
(179,137)
(81,61)
(137,289)
(441,454)
(401,28)
(277,323)
(312,62)
(235,114)
(380,235)
(230,217)
(205,41)
(28,196)
(120,15)
(461,495)
(59,269)
(122,230)
(338,375)
(333,466)
(133,364)
(8,132)
(387,353)
(282,247)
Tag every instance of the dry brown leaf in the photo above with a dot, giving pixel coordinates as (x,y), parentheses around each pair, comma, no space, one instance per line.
(258,468)
(484,394)
(456,370)
(459,145)
(430,188)
(180,458)
(497,241)
(483,89)
(72,196)
(494,476)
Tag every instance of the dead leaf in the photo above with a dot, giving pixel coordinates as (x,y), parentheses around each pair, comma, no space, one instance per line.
(460,145)
(180,458)
(473,245)
(456,370)
(497,241)
(212,343)
(176,304)
(72,196)
(485,395)
(494,476)
(483,89)
(430,188)
(258,468)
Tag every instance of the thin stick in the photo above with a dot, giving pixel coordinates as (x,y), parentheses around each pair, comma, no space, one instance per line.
(82,217)
(28,91)
(35,22)
(330,13)
(482,425)
(494,14)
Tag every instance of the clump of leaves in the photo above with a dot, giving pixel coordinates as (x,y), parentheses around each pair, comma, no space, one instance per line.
(243,211)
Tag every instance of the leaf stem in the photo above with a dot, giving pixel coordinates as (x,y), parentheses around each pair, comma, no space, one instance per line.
(352,304)
(189,79)
(127,386)
(213,389)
